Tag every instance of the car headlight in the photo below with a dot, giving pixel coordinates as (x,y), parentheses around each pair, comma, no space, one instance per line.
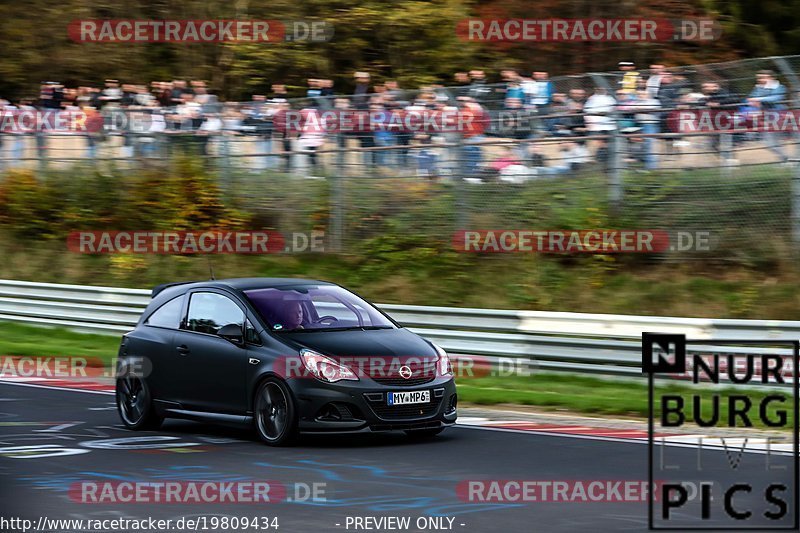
(443,366)
(326,369)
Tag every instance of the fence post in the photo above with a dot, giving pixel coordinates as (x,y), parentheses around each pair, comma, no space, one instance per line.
(336,216)
(615,189)
(224,143)
(459,182)
(41,150)
(725,147)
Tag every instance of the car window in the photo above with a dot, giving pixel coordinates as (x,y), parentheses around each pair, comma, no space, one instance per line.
(328,305)
(208,312)
(313,308)
(168,315)
(250,334)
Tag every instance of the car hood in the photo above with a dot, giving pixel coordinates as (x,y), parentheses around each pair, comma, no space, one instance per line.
(370,343)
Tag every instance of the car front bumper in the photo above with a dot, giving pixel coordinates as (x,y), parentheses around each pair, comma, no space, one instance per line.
(362,407)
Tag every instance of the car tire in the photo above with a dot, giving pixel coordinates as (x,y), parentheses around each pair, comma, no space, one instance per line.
(135,403)
(423,434)
(274,413)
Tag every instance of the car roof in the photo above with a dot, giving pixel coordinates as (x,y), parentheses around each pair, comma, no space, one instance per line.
(240,284)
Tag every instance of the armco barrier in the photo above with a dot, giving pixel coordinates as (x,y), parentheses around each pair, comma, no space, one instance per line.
(580,342)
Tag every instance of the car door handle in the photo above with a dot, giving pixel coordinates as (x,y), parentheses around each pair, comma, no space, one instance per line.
(183,349)
(254,361)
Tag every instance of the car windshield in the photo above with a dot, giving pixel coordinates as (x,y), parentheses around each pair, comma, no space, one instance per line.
(315,308)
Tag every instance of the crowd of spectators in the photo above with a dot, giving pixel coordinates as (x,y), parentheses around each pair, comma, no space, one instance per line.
(156,120)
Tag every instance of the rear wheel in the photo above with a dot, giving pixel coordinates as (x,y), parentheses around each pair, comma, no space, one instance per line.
(275,414)
(423,434)
(135,404)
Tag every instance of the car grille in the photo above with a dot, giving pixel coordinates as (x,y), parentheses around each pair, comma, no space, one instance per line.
(421,373)
(400,382)
(405,412)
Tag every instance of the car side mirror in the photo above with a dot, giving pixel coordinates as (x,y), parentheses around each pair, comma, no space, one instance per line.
(232,333)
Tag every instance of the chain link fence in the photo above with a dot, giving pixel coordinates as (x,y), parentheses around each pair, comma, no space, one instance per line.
(554,166)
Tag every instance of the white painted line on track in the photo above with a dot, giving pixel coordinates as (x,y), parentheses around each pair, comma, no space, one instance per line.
(54,387)
(472,423)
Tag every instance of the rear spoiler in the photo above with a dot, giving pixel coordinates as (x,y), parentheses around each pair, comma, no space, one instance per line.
(158,288)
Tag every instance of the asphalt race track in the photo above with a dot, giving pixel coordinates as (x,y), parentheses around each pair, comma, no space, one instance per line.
(77,436)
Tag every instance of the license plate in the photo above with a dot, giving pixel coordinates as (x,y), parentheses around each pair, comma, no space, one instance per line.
(403,398)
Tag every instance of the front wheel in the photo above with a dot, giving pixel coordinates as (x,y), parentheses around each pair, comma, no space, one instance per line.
(135,404)
(275,414)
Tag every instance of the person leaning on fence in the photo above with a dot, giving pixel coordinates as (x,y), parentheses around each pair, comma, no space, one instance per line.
(629,81)
(258,125)
(559,106)
(538,92)
(361,92)
(518,126)
(361,102)
(506,167)
(598,112)
(653,83)
(326,91)
(669,95)
(462,84)
(716,98)
(474,118)
(379,117)
(769,95)
(513,88)
(426,158)
(478,90)
(312,134)
(284,132)
(343,135)
(645,111)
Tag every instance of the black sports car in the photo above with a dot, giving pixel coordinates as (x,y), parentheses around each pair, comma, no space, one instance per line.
(286,355)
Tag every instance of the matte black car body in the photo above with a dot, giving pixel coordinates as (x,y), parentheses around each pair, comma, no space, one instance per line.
(188,374)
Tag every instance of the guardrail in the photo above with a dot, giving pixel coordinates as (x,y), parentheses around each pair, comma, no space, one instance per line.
(591,343)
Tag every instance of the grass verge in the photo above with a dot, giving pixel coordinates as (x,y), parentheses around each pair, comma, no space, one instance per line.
(33,341)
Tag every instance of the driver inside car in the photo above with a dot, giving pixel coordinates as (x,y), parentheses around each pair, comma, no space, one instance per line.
(292,315)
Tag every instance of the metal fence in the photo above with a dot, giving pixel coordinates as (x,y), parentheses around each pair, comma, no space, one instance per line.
(743,186)
(595,344)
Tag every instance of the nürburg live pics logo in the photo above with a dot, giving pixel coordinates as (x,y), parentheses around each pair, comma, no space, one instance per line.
(723,433)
